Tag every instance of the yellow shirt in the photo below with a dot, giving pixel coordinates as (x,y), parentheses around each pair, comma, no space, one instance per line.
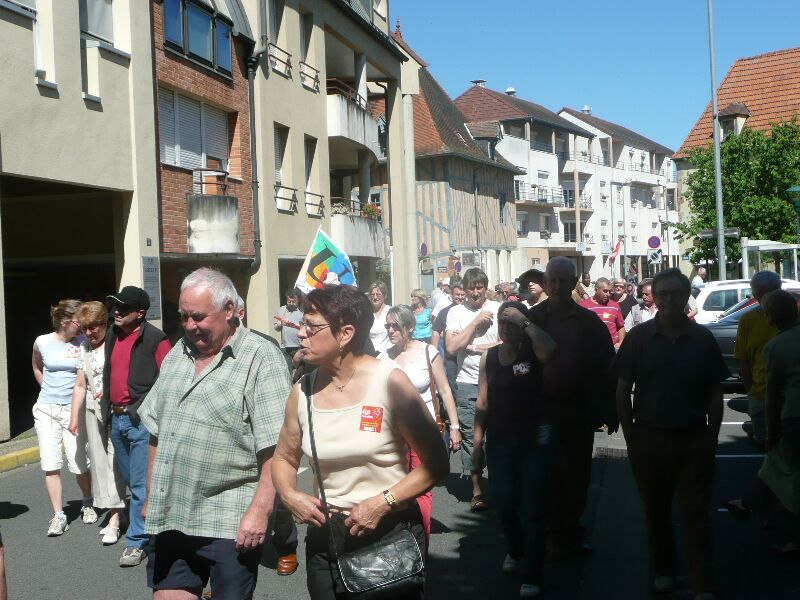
(753,334)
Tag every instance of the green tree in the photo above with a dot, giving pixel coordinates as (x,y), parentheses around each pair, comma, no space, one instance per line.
(757,169)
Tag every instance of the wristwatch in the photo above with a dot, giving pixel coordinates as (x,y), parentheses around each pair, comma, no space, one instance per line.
(455,427)
(526,324)
(390,499)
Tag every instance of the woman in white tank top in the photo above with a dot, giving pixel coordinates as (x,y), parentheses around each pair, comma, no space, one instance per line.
(409,355)
(366,414)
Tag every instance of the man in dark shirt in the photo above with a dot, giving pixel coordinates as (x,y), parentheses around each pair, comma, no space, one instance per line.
(672,427)
(578,386)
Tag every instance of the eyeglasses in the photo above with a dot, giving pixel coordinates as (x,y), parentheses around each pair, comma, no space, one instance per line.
(313,329)
(392,327)
(95,327)
(74,322)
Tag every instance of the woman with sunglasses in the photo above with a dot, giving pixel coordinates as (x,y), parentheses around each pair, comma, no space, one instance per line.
(512,418)
(419,304)
(108,488)
(365,413)
(55,366)
(409,355)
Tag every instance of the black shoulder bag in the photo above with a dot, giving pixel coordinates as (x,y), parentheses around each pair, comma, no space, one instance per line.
(379,565)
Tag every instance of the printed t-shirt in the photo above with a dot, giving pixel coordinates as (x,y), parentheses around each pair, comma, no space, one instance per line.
(610,314)
(59,366)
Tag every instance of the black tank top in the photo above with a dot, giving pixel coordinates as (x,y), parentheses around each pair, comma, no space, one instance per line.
(516,398)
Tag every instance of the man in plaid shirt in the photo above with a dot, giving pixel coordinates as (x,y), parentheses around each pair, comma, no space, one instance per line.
(214,415)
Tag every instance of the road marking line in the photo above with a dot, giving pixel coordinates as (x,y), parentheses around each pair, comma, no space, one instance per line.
(739,456)
(734,423)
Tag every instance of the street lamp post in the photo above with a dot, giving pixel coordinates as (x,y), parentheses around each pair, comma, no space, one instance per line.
(722,262)
(794,194)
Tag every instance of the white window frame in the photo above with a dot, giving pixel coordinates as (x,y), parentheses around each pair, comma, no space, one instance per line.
(203,140)
(93,34)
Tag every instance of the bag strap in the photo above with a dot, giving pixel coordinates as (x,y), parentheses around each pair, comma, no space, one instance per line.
(307,385)
(434,390)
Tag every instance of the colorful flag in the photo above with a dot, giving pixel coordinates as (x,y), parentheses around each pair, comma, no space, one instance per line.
(325,264)
(613,256)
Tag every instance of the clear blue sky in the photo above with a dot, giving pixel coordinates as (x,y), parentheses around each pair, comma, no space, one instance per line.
(639,63)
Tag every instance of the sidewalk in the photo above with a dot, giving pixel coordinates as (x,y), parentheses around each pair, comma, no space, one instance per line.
(19,451)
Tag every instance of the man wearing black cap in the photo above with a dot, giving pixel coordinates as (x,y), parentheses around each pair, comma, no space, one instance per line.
(134,350)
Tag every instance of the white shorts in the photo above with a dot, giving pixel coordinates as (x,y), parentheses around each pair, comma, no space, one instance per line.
(51,422)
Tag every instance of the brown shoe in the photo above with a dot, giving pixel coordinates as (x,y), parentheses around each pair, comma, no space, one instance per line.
(287,564)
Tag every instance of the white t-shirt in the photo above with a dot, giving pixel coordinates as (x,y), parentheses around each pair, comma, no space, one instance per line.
(443,302)
(457,320)
(378,334)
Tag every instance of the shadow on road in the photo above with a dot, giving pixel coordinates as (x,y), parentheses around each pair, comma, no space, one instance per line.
(9,510)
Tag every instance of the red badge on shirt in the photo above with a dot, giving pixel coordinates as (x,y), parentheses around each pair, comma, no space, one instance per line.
(371,419)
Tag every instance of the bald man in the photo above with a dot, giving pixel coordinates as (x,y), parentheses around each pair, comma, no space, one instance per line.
(581,391)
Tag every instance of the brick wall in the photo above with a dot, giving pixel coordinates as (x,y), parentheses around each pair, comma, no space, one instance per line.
(185,77)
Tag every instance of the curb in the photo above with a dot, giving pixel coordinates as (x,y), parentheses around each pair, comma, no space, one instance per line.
(12,460)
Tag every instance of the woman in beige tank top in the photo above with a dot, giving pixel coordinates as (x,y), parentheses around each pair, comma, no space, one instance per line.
(366,415)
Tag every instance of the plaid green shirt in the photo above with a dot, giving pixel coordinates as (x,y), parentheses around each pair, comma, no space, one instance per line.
(210,428)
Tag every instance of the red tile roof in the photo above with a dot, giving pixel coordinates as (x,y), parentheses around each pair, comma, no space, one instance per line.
(397,36)
(767,84)
(618,131)
(480,103)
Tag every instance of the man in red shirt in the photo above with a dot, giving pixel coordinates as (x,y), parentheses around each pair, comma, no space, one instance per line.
(134,350)
(607,309)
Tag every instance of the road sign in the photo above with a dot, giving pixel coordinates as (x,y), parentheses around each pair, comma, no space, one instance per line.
(457,266)
(654,257)
(423,249)
(654,242)
(710,234)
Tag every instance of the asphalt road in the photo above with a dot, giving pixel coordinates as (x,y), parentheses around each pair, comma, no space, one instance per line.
(466,549)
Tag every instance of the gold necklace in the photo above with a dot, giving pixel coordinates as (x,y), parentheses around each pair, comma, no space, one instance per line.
(341,387)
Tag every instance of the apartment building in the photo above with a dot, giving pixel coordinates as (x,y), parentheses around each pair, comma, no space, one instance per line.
(464,189)
(630,182)
(319,146)
(78,195)
(588,183)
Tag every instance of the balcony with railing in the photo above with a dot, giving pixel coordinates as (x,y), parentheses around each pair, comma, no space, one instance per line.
(315,204)
(569,201)
(349,117)
(541,146)
(584,157)
(309,77)
(285,199)
(280,61)
(539,196)
(358,225)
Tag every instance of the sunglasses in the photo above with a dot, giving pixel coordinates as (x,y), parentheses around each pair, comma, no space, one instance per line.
(123,310)
(392,327)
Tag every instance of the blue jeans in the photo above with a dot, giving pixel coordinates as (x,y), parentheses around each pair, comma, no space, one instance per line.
(130,451)
(519,478)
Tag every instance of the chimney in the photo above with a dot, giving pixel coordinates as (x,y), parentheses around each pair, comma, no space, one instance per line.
(511,91)
(587,110)
(478,82)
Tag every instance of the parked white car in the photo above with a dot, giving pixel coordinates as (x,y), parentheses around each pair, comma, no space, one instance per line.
(716,297)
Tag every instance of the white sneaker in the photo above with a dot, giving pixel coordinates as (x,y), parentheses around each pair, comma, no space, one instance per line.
(58,525)
(104,530)
(529,590)
(111,536)
(510,564)
(88,515)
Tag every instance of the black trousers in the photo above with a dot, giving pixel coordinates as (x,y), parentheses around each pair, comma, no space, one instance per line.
(573,442)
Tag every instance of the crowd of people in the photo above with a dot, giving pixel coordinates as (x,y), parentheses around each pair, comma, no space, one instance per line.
(208,436)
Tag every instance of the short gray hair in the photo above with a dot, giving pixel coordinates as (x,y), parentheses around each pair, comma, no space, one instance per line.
(764,282)
(221,287)
(601,280)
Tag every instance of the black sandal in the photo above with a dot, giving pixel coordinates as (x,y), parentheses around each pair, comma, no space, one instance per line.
(478,504)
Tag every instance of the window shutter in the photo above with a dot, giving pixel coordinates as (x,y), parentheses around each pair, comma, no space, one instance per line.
(189,133)
(278,137)
(215,126)
(166,126)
